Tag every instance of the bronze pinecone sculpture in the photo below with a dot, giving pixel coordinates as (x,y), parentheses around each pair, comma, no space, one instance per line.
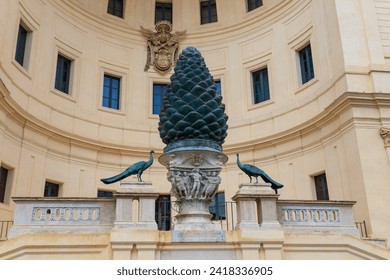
(191,108)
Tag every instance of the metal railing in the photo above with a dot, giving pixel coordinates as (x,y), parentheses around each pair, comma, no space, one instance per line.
(362,227)
(228,217)
(4,228)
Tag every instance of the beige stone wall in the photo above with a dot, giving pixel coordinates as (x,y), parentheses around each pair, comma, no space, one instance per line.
(330,124)
(264,246)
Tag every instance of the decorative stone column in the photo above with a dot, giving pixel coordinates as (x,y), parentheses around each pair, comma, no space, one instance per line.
(194,175)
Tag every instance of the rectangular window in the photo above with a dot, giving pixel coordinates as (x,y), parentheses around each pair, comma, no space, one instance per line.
(218,85)
(115,7)
(163,212)
(111,91)
(63,73)
(208,11)
(163,11)
(253,4)
(21,45)
(159,90)
(51,189)
(104,194)
(306,63)
(3,183)
(321,187)
(217,207)
(260,85)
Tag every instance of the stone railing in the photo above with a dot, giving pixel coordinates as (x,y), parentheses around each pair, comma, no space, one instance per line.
(317,216)
(34,215)
(256,207)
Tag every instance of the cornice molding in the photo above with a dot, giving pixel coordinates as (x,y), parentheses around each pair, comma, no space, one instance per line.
(345,102)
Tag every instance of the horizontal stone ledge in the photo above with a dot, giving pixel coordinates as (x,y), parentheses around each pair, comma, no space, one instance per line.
(62,199)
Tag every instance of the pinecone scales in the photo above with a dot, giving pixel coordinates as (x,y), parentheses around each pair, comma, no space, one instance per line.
(191,108)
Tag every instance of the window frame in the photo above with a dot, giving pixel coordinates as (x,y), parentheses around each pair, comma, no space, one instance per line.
(106,68)
(111,87)
(306,64)
(31,26)
(163,218)
(59,74)
(4,183)
(74,56)
(8,184)
(161,96)
(321,189)
(261,78)
(166,6)
(253,5)
(208,8)
(117,8)
(51,184)
(21,43)
(296,43)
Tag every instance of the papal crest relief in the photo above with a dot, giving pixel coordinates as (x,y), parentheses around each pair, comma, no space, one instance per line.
(163,46)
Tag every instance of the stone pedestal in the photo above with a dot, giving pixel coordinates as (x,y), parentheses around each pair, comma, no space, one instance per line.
(194,175)
(146,196)
(256,207)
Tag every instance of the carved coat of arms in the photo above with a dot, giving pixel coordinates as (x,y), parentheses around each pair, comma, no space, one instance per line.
(163,46)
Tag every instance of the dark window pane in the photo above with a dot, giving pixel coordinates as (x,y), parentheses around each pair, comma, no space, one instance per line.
(111,91)
(253,4)
(163,11)
(63,74)
(260,85)
(217,207)
(21,45)
(104,194)
(321,187)
(51,189)
(306,63)
(115,7)
(218,85)
(208,11)
(3,182)
(163,212)
(159,90)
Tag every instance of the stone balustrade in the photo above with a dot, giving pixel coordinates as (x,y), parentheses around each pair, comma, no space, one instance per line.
(34,215)
(258,208)
(317,216)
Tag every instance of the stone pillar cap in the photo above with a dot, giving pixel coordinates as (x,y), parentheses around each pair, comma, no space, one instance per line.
(255,190)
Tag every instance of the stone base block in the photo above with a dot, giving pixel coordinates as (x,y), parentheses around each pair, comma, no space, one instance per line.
(256,189)
(130,187)
(198,236)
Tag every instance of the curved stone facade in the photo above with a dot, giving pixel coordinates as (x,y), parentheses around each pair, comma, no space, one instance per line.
(331,124)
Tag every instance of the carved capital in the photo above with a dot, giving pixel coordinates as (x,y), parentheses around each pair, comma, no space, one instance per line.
(385,134)
(194,184)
